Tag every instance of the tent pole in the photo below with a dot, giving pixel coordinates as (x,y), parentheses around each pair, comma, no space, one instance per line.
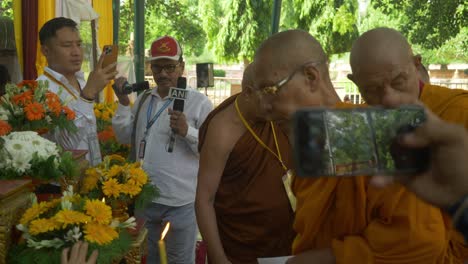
(116,16)
(139,49)
(275,19)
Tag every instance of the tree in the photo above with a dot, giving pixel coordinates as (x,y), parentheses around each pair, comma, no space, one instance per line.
(179,19)
(6,8)
(332,22)
(245,25)
(436,29)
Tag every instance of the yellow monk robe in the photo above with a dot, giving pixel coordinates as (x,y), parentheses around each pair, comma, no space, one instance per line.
(364,224)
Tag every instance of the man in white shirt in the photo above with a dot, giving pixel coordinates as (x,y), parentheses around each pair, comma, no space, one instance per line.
(61,45)
(174,173)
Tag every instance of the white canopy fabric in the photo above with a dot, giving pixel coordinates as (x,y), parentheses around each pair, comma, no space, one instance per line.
(77,10)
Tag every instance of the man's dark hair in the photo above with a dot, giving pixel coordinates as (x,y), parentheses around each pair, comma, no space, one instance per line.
(49,29)
(4,78)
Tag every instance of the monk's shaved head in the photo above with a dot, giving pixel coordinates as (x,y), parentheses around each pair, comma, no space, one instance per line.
(377,46)
(290,49)
(247,78)
(291,72)
(384,68)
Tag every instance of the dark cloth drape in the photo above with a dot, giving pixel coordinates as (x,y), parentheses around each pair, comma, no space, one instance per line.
(30,36)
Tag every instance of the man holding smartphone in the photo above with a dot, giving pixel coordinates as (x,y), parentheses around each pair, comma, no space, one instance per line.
(61,45)
(342,220)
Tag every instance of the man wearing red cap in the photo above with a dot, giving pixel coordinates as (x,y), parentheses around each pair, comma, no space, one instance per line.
(149,126)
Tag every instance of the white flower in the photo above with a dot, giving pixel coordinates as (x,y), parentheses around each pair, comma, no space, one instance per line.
(130,223)
(20,147)
(73,235)
(3,114)
(55,243)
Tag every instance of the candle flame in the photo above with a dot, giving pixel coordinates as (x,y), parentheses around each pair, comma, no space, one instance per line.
(103,199)
(166,229)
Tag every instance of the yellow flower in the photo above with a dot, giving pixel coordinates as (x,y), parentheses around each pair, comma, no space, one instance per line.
(115,171)
(99,234)
(111,188)
(138,176)
(42,225)
(36,210)
(90,181)
(70,217)
(105,116)
(99,211)
(97,113)
(131,189)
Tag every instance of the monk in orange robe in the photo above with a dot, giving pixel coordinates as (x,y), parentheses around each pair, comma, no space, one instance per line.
(387,73)
(343,220)
(243,211)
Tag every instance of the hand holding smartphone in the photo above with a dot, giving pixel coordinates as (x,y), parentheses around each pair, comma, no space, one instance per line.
(110,53)
(359,141)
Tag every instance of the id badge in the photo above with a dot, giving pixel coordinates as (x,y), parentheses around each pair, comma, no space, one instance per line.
(94,151)
(287,183)
(141,149)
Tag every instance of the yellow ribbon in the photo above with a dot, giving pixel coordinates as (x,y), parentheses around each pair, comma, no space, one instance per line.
(246,124)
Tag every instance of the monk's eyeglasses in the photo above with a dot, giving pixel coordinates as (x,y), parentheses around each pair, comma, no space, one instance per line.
(274,89)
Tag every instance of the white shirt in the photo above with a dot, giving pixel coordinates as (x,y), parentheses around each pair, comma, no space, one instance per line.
(175,174)
(86,136)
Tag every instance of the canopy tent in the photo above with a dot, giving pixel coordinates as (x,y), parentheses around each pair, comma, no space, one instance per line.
(30,16)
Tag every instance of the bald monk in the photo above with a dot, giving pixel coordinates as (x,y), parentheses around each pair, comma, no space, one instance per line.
(242,209)
(387,73)
(342,219)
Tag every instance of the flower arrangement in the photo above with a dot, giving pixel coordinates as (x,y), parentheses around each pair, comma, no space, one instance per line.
(49,227)
(28,154)
(107,140)
(118,181)
(29,106)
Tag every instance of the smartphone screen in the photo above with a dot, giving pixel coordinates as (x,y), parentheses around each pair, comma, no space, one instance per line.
(360,141)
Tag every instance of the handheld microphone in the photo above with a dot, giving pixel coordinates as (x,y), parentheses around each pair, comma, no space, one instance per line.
(136,87)
(179,95)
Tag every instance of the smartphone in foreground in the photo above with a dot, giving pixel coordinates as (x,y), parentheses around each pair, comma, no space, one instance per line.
(110,53)
(359,141)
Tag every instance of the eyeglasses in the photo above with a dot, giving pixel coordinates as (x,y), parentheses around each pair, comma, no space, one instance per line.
(169,68)
(274,89)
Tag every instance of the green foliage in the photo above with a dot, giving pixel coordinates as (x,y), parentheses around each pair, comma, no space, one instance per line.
(436,29)
(332,23)
(245,25)
(148,193)
(6,8)
(219,73)
(20,254)
(179,19)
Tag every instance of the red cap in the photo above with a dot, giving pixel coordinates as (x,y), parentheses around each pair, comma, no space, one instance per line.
(165,48)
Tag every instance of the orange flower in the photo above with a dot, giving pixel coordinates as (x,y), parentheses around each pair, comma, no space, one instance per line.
(70,113)
(28,83)
(5,128)
(34,111)
(53,103)
(23,98)
(106,135)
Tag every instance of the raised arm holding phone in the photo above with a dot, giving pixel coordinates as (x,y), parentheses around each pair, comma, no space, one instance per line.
(61,45)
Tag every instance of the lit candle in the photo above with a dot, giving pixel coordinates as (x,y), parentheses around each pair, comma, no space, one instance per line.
(162,245)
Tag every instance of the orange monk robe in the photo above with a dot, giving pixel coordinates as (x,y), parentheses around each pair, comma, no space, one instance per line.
(363,224)
(449,104)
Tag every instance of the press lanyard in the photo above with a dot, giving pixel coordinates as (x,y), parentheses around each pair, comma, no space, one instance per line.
(278,156)
(61,84)
(149,122)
